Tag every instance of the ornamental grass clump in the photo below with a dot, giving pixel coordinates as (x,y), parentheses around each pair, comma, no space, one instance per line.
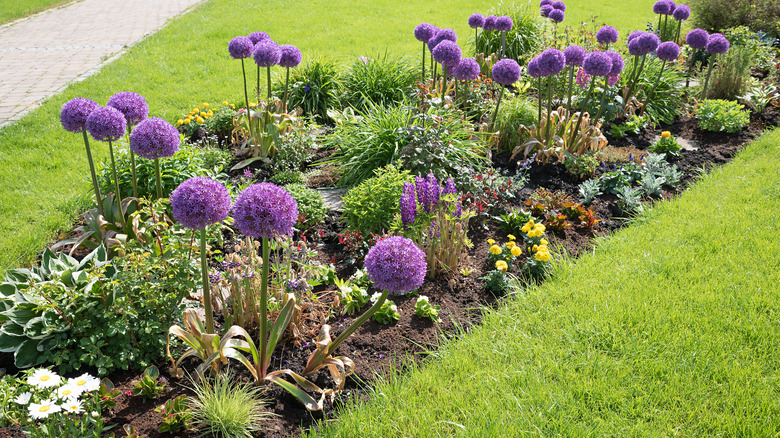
(109,124)
(73,118)
(135,109)
(153,139)
(197,203)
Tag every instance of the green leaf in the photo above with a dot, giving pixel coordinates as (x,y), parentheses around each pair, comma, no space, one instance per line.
(27,355)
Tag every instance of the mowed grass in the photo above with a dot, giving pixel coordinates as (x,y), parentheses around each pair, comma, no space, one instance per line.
(669,328)
(11,10)
(43,169)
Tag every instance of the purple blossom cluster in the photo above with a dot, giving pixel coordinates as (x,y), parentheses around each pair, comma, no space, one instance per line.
(504,23)
(265,210)
(556,15)
(105,123)
(132,105)
(697,38)
(617,63)
(668,51)
(642,43)
(240,47)
(554,10)
(199,202)
(428,192)
(425,31)
(607,35)
(717,44)
(533,68)
(681,12)
(75,112)
(408,205)
(396,264)
(597,64)
(291,56)
(466,70)
(490,22)
(551,62)
(574,55)
(154,138)
(476,21)
(506,71)
(447,53)
(664,7)
(442,35)
(256,37)
(267,53)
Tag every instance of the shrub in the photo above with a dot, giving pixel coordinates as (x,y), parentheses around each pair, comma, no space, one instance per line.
(313,89)
(717,15)
(288,177)
(294,148)
(760,43)
(722,115)
(188,162)
(311,206)
(512,114)
(383,81)
(226,409)
(732,73)
(581,166)
(523,39)
(371,206)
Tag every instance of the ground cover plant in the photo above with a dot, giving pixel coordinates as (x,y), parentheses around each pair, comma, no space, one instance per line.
(228,276)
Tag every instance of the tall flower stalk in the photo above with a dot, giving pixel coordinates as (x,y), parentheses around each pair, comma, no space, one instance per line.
(240,48)
(153,139)
(109,124)
(135,109)
(717,44)
(505,72)
(267,54)
(424,32)
(73,118)
(291,57)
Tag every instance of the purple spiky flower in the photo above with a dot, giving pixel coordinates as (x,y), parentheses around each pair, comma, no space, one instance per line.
(476,21)
(154,138)
(607,35)
(617,63)
(256,37)
(132,105)
(106,124)
(681,13)
(574,55)
(267,53)
(265,210)
(559,5)
(556,15)
(199,202)
(506,71)
(668,51)
(408,205)
(291,56)
(504,23)
(490,22)
(551,62)
(75,112)
(240,47)
(424,32)
(396,264)
(697,38)
(447,53)
(717,44)
(597,64)
(467,70)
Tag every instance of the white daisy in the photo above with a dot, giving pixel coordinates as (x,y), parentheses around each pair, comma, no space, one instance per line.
(72,406)
(375,297)
(43,378)
(43,409)
(86,382)
(23,398)
(69,391)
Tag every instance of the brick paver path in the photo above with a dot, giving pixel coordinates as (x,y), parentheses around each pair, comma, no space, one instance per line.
(40,55)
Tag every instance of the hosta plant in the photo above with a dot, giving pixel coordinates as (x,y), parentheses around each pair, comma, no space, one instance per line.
(572,133)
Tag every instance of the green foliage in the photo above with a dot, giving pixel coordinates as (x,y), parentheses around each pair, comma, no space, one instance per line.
(487,193)
(632,126)
(151,385)
(288,177)
(496,282)
(353,294)
(732,73)
(313,89)
(311,206)
(581,166)
(386,313)
(722,115)
(513,221)
(718,15)
(424,309)
(759,43)
(667,146)
(221,123)
(384,81)
(294,149)
(630,200)
(177,415)
(511,115)
(757,97)
(188,162)
(227,409)
(525,36)
(667,99)
(371,206)
(589,190)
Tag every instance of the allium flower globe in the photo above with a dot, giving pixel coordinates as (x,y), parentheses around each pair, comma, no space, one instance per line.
(154,138)
(467,70)
(617,63)
(574,55)
(256,37)
(556,15)
(545,2)
(132,105)
(291,56)
(424,32)
(559,5)
(265,210)
(199,202)
(476,21)
(545,10)
(647,43)
(551,62)
(396,264)
(668,51)
(490,22)
(506,71)
(75,112)
(635,34)
(597,64)
(240,47)
(533,68)
(717,44)
(267,54)
(447,53)
(697,38)
(106,124)
(662,7)
(681,13)
(504,23)
(607,35)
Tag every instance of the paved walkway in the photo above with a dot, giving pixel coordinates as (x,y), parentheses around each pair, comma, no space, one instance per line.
(42,54)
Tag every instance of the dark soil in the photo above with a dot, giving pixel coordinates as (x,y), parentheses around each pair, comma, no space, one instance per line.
(377,348)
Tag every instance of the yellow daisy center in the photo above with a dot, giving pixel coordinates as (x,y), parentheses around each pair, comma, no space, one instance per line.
(44,408)
(81,382)
(45,378)
(67,392)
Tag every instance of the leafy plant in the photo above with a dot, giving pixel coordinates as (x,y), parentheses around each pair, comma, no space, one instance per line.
(632,126)
(537,266)
(311,206)
(151,385)
(524,38)
(381,82)
(294,148)
(722,115)
(202,345)
(732,73)
(177,415)
(288,177)
(717,15)
(262,132)
(314,89)
(651,184)
(666,145)
(757,97)
(512,115)
(387,312)
(424,309)
(371,206)
(759,42)
(666,98)
(559,133)
(486,193)
(226,409)
(630,200)
(589,190)
(107,230)
(513,220)
(580,166)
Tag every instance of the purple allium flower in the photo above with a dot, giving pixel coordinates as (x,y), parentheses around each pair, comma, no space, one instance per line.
(672,6)
(607,35)
(617,62)
(545,10)
(256,37)
(132,105)
(265,210)
(408,205)
(424,32)
(434,192)
(717,44)
(476,21)
(240,47)
(551,62)
(267,54)
(396,264)
(467,69)
(75,112)
(106,124)
(681,13)
(506,71)
(545,2)
(291,56)
(661,7)
(697,38)
(556,15)
(647,43)
(447,53)
(504,23)
(490,22)
(668,51)
(533,68)
(199,202)
(597,64)
(635,34)
(574,55)
(154,138)
(559,5)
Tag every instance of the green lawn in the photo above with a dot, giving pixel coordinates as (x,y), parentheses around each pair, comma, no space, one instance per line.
(11,10)
(670,328)
(43,169)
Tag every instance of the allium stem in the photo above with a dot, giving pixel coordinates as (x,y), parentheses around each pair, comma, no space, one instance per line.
(358,322)
(495,112)
(707,80)
(258,83)
(503,44)
(652,90)
(157,174)
(476,36)
(95,185)
(635,80)
(268,69)
(571,80)
(132,163)
(603,99)
(539,100)
(691,64)
(549,107)
(664,34)
(264,308)
(116,186)
(286,84)
(246,94)
(204,268)
(422,77)
(659,24)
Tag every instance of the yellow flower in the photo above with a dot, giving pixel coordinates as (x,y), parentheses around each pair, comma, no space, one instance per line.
(199,119)
(542,256)
(545,242)
(205,105)
(510,237)
(196,109)
(516,251)
(540,227)
(232,106)
(203,114)
(495,249)
(501,266)
(510,244)
(525,228)
(491,241)
(186,121)
(252,105)
(180,122)
(666,134)
(535,248)
(224,103)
